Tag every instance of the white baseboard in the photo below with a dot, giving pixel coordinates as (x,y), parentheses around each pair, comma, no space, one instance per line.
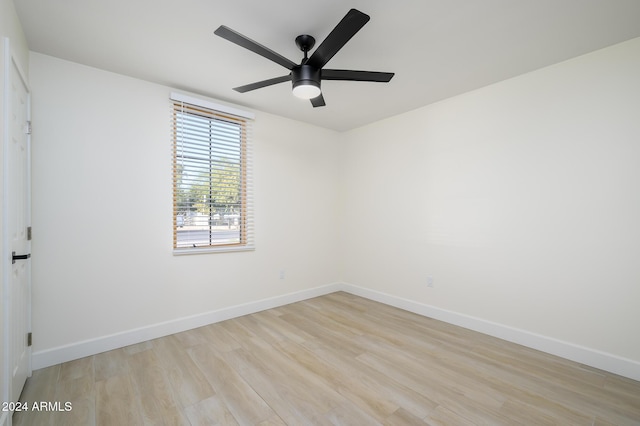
(60,354)
(591,357)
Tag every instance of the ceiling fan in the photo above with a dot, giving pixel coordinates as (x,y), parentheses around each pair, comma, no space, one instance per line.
(307,75)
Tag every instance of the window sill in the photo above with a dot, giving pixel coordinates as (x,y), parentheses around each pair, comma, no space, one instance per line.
(202,250)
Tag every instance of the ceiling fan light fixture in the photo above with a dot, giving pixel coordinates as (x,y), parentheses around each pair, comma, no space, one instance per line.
(306,82)
(306,77)
(306,89)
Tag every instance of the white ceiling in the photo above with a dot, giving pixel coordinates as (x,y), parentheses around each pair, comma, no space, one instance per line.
(437,48)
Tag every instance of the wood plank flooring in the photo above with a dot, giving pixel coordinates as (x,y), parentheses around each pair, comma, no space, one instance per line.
(333,360)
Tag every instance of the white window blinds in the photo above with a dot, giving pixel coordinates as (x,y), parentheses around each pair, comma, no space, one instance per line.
(212,182)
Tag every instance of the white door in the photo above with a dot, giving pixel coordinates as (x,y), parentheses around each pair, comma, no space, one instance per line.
(18,221)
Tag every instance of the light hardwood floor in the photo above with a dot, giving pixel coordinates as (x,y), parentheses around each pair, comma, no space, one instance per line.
(333,360)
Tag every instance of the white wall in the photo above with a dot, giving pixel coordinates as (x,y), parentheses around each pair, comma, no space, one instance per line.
(102,258)
(521,200)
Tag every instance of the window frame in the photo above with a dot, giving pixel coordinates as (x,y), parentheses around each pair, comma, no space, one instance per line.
(208,110)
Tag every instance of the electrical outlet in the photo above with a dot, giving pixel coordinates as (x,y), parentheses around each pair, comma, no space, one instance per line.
(430,281)
(282,274)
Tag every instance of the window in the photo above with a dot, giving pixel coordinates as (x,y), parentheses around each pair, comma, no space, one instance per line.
(212,191)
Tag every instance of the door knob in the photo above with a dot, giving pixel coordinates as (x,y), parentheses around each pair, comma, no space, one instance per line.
(19,257)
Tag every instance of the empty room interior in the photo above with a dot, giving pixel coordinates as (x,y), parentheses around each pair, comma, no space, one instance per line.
(293,213)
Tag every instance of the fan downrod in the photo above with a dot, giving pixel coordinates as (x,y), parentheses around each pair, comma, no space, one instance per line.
(305,42)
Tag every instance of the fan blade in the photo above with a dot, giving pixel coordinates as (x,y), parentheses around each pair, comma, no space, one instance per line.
(247,43)
(350,75)
(261,84)
(318,101)
(341,34)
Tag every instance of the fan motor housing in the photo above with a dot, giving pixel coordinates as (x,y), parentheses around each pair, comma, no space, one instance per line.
(305,75)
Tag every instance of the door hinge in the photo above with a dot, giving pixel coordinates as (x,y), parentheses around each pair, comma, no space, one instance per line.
(29,339)
(27,128)
(28,233)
